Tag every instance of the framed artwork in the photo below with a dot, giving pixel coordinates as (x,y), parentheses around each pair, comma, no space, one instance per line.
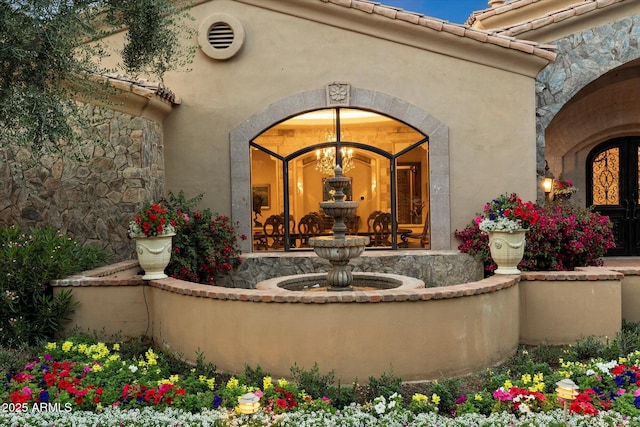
(262,194)
(327,192)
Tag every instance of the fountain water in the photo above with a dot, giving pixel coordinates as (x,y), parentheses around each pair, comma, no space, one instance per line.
(339,249)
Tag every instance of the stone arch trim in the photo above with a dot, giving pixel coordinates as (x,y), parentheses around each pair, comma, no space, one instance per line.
(582,58)
(438,133)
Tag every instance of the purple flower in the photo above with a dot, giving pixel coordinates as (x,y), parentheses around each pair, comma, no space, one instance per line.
(217,401)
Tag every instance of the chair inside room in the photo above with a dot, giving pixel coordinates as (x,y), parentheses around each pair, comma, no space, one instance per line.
(381,230)
(370,219)
(352,223)
(424,237)
(274,231)
(309,226)
(326,221)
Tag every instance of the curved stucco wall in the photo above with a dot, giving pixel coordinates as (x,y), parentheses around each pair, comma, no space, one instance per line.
(419,333)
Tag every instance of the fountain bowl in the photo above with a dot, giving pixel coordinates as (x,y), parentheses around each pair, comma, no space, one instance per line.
(377,282)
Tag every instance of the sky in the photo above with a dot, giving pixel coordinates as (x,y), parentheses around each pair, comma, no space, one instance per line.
(456,11)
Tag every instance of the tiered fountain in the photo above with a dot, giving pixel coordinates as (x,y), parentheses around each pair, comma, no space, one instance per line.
(339,249)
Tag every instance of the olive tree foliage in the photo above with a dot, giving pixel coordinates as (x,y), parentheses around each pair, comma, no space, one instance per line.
(51,52)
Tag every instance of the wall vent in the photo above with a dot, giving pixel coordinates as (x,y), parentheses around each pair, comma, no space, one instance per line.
(220,36)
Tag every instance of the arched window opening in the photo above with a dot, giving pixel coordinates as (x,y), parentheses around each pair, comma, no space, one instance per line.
(386,160)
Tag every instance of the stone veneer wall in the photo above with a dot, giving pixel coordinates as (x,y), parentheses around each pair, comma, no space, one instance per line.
(582,58)
(92,200)
(435,268)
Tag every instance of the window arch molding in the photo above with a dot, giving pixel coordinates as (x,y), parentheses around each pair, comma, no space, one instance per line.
(396,108)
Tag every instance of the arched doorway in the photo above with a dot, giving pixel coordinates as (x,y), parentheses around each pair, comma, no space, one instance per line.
(387,161)
(613,190)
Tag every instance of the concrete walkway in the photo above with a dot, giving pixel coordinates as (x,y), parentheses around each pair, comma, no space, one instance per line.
(621,261)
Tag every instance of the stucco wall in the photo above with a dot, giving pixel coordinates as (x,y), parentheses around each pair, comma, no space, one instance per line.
(421,333)
(488,110)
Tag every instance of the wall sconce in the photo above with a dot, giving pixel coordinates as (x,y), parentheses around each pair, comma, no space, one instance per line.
(548,180)
(299,187)
(374,185)
(248,403)
(567,390)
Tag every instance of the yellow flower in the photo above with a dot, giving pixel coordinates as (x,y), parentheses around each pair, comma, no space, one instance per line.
(211,383)
(622,360)
(67,346)
(507,385)
(526,379)
(435,399)
(266,383)
(152,358)
(116,347)
(537,387)
(233,382)
(202,378)
(418,397)
(477,397)
(82,348)
(96,368)
(52,345)
(538,378)
(282,382)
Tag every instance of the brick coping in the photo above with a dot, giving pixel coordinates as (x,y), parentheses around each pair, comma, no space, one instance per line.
(126,274)
(120,277)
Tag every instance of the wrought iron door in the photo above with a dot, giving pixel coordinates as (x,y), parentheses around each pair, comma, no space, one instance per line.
(612,179)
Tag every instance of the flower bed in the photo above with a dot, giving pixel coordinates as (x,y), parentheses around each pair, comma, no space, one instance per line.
(78,383)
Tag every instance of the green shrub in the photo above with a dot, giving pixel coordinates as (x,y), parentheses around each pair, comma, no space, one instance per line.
(204,246)
(29,260)
(312,382)
(448,389)
(387,384)
(319,386)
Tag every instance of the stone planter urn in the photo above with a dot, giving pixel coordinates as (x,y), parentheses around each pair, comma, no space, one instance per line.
(507,249)
(154,254)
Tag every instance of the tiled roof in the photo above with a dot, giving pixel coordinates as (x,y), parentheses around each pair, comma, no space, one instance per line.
(140,87)
(538,49)
(579,8)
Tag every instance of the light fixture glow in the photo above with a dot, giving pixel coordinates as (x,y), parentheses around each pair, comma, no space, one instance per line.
(326,160)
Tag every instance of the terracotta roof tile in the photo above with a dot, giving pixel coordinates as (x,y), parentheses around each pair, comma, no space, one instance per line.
(541,50)
(581,7)
(141,87)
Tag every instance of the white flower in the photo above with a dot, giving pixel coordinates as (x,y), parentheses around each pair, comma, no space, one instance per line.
(500,224)
(133,368)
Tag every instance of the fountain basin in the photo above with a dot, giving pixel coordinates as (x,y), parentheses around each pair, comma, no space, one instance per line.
(332,249)
(375,282)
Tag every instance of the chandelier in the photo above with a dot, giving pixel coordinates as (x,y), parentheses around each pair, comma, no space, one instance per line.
(326,160)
